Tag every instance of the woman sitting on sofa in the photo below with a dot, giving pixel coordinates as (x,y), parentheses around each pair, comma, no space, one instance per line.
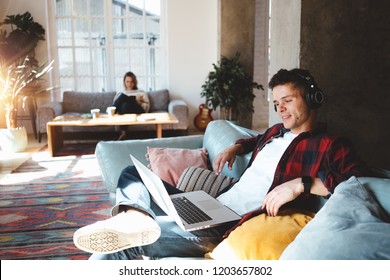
(131,101)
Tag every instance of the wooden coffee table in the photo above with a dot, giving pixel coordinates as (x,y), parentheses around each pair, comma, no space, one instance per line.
(55,134)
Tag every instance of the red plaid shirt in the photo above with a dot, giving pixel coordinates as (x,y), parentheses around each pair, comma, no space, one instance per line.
(314,153)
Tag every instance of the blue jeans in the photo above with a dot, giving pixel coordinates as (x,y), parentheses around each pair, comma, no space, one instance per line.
(174,241)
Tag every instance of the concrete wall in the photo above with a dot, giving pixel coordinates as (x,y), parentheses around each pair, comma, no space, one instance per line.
(260,71)
(237,30)
(346,45)
(285,30)
(237,26)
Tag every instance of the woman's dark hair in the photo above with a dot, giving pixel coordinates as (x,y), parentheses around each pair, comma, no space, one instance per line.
(131,75)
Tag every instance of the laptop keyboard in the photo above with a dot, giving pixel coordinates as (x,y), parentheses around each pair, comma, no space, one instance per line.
(190,213)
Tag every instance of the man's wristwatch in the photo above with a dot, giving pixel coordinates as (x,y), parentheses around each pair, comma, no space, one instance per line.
(307,181)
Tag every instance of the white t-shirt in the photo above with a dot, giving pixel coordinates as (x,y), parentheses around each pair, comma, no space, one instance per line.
(249,192)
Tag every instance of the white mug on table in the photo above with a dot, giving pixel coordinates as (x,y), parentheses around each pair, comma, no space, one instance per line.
(95,113)
(111,111)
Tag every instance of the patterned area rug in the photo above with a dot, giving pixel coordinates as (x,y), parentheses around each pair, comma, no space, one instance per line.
(45,200)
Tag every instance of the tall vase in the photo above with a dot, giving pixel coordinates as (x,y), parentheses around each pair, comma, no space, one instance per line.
(13,140)
(228,113)
(11,113)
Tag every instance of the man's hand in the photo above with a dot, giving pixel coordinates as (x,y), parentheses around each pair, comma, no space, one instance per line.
(229,156)
(282,194)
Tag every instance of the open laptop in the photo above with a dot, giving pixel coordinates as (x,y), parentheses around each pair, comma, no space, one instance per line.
(180,207)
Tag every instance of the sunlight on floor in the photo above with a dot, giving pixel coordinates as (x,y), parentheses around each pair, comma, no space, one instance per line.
(45,166)
(10,161)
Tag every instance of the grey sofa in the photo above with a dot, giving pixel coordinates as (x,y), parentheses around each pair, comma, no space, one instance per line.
(77,103)
(353,224)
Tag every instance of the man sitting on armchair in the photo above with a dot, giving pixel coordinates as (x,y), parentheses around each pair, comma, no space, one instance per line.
(290,160)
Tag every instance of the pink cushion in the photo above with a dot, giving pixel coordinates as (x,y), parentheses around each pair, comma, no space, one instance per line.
(169,163)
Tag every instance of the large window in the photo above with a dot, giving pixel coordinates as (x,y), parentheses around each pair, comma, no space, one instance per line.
(100,40)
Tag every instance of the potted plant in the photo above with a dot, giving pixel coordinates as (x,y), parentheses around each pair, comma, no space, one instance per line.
(229,87)
(24,36)
(20,74)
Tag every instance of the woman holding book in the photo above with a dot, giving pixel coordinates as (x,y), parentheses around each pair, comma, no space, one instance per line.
(131,100)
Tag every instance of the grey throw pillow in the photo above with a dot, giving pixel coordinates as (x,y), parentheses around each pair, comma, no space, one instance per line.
(352,225)
(159,100)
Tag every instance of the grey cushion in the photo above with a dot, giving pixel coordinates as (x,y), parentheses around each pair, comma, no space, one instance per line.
(352,225)
(159,100)
(379,188)
(83,102)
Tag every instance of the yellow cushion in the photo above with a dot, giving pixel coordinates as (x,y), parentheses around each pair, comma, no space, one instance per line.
(262,237)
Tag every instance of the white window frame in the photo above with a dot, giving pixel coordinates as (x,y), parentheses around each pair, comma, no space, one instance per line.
(112,79)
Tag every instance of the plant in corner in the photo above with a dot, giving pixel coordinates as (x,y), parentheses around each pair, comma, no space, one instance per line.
(229,87)
(23,38)
(20,73)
